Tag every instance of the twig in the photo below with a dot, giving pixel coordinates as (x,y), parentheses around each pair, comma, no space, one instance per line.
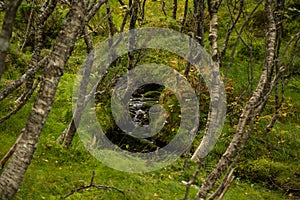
(229,30)
(239,33)
(186,7)
(110,20)
(34,65)
(94,9)
(28,25)
(94,30)
(17,83)
(185,164)
(143,10)
(105,187)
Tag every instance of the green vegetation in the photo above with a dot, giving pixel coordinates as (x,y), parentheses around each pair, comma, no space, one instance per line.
(268,168)
(55,171)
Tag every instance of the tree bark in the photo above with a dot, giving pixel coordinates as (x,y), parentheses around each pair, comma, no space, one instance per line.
(7,26)
(132,23)
(249,112)
(215,91)
(70,131)
(11,151)
(199,7)
(11,178)
(68,134)
(43,14)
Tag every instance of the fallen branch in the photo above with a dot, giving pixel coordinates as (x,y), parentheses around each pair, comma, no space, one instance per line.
(105,187)
(11,150)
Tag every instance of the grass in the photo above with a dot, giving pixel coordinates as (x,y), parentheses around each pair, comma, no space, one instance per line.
(55,171)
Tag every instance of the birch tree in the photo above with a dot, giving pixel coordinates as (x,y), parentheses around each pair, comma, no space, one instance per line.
(222,47)
(253,107)
(75,21)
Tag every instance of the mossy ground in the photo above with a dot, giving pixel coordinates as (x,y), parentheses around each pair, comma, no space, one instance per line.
(55,171)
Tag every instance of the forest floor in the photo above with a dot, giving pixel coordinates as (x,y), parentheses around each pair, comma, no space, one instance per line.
(55,171)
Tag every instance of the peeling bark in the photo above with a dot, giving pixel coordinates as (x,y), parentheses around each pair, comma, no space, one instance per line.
(212,125)
(12,176)
(249,112)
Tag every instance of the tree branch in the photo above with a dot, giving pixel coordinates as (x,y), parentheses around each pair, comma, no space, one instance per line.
(104,187)
(22,102)
(11,150)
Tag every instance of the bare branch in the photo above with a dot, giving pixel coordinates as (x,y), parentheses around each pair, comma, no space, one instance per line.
(229,31)
(199,6)
(239,32)
(22,103)
(29,23)
(69,133)
(12,176)
(104,187)
(186,6)
(93,9)
(11,150)
(174,13)
(163,6)
(17,83)
(222,189)
(192,180)
(110,20)
(143,10)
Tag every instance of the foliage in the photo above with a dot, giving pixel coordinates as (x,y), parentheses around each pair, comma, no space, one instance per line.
(269,164)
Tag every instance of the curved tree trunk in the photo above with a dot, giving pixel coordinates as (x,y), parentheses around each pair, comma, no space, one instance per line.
(251,109)
(202,149)
(11,178)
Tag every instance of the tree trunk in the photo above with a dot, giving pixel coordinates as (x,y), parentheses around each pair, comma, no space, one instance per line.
(7,26)
(11,178)
(212,127)
(68,134)
(70,131)
(175,5)
(199,21)
(247,116)
(132,23)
